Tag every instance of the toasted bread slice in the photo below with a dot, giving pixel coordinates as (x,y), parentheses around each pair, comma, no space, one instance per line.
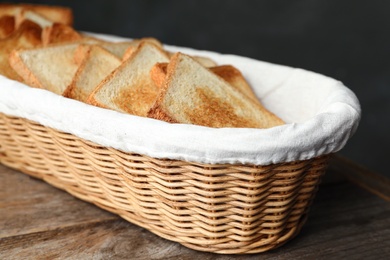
(7,26)
(51,67)
(56,14)
(228,72)
(96,64)
(59,33)
(28,35)
(129,88)
(192,94)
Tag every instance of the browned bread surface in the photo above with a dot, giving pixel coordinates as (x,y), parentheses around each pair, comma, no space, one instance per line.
(193,94)
(7,26)
(96,64)
(51,68)
(158,73)
(129,88)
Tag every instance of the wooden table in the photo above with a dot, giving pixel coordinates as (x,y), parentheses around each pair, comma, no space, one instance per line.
(38,221)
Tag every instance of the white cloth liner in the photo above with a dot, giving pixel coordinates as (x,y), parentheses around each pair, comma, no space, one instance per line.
(321,115)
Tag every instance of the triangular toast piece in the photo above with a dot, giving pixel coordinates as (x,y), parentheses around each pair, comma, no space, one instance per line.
(228,72)
(50,67)
(192,94)
(28,35)
(96,64)
(129,88)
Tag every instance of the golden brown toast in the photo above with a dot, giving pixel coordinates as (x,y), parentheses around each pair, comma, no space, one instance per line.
(51,67)
(129,88)
(96,64)
(192,94)
(28,35)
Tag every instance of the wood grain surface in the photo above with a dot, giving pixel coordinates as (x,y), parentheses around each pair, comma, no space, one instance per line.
(38,221)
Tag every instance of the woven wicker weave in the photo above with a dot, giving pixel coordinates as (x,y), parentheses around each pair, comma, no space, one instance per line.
(229,209)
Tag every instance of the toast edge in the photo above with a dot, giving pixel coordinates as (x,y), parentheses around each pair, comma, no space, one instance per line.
(84,54)
(158,74)
(22,70)
(157,111)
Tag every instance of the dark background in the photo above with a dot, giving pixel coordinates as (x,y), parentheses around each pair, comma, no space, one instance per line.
(346,39)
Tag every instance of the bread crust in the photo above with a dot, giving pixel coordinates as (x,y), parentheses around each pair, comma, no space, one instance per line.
(158,73)
(156,111)
(88,52)
(82,57)
(7,26)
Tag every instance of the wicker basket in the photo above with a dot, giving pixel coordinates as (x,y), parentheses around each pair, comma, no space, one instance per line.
(257,201)
(228,209)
